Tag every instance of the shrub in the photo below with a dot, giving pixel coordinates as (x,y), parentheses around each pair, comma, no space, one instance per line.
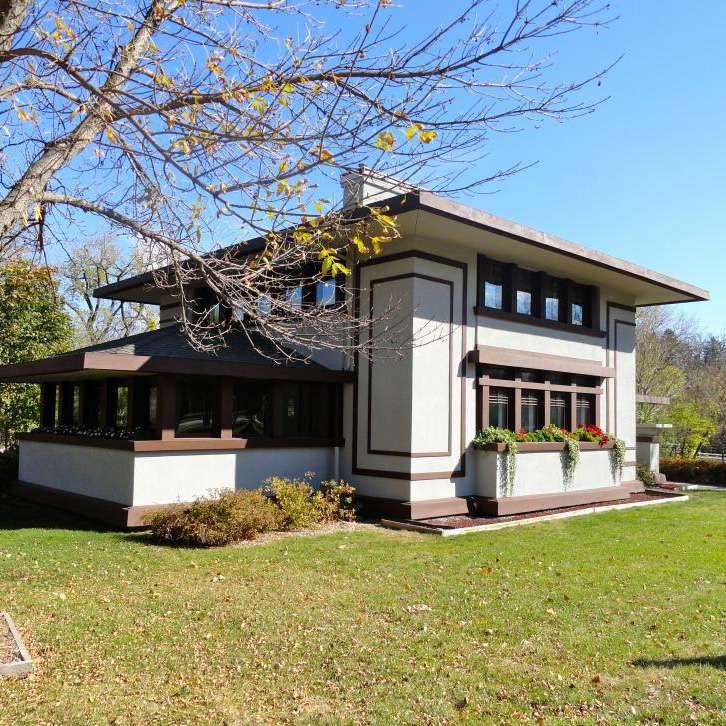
(645,475)
(694,471)
(8,466)
(229,517)
(299,505)
(338,501)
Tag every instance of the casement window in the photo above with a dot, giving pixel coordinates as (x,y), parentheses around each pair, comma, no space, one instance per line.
(514,399)
(294,297)
(76,405)
(508,291)
(492,279)
(558,410)
(306,410)
(531,411)
(553,303)
(500,401)
(325,292)
(252,410)
(197,407)
(585,409)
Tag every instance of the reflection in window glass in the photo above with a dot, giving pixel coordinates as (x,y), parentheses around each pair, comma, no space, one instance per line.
(325,293)
(153,405)
(493,295)
(558,410)
(264,305)
(577,314)
(585,411)
(524,302)
(552,308)
(252,410)
(196,406)
(499,408)
(294,297)
(121,420)
(76,410)
(530,411)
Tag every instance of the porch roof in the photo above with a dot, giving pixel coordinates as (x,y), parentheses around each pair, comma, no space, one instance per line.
(167,351)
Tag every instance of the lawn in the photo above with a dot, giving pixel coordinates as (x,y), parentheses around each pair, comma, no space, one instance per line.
(618,617)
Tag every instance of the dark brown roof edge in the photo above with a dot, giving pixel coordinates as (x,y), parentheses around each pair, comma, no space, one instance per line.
(123,363)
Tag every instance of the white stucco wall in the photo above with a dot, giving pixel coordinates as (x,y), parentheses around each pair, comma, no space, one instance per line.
(137,479)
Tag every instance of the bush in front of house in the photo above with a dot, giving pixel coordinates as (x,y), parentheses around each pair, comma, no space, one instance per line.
(694,471)
(231,516)
(645,475)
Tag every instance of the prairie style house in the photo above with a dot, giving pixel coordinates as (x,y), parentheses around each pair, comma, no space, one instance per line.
(537,330)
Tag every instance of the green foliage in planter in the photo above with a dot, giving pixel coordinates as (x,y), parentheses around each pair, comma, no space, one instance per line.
(493,435)
(617,457)
(570,459)
(694,471)
(229,517)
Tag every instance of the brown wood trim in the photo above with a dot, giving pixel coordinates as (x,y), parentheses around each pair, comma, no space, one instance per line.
(524,447)
(78,363)
(538,322)
(405,475)
(655,400)
(181,444)
(410,454)
(382,507)
(507,383)
(504,506)
(461,470)
(541,361)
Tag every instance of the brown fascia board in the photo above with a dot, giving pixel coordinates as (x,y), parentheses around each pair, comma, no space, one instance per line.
(33,371)
(492,355)
(428,201)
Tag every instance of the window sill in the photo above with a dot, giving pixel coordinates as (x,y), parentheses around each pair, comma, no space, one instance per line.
(539,322)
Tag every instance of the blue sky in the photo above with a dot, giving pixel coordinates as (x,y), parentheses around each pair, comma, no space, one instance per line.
(644,177)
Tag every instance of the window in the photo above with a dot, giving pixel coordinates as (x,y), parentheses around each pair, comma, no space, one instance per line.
(325,292)
(294,297)
(499,407)
(57,408)
(531,408)
(493,284)
(153,409)
(523,286)
(519,292)
(76,406)
(306,410)
(585,408)
(552,297)
(196,408)
(121,407)
(264,305)
(92,405)
(252,410)
(558,410)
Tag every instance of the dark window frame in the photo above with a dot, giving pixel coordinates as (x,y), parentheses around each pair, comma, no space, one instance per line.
(540,285)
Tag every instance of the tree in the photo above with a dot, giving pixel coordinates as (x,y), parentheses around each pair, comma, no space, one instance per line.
(33,325)
(190,125)
(89,265)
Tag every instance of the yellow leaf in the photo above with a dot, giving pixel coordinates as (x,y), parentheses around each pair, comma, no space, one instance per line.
(339,268)
(386,141)
(413,131)
(110,135)
(358,242)
(427,136)
(327,264)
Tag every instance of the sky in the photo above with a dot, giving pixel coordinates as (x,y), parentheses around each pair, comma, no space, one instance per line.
(644,177)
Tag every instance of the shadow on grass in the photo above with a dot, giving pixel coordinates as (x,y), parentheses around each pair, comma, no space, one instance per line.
(715,661)
(16,513)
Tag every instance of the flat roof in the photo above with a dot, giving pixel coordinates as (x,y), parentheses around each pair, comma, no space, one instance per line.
(140,287)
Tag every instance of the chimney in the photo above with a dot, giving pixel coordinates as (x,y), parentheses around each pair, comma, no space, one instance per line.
(365,186)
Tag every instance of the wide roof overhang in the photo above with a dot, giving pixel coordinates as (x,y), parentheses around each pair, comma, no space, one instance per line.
(88,365)
(428,215)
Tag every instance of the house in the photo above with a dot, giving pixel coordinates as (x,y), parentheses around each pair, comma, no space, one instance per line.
(532,330)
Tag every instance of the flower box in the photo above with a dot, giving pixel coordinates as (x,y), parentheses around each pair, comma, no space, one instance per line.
(540,469)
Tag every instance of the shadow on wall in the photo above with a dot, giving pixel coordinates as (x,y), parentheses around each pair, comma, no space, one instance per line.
(714,661)
(16,513)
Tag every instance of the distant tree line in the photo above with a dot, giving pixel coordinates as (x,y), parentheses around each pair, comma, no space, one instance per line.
(675,359)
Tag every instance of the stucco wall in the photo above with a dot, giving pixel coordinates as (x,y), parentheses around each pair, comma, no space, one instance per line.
(394,419)
(90,471)
(138,479)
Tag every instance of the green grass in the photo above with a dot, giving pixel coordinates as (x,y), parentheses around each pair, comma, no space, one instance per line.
(616,618)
